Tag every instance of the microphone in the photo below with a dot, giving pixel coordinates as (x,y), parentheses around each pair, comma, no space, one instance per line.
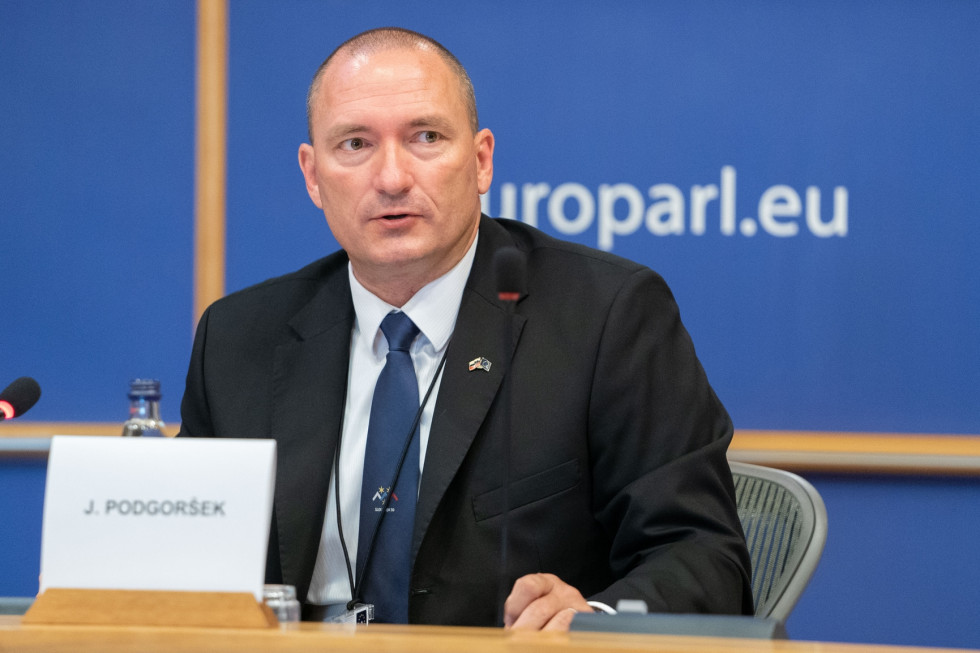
(18,397)
(510,272)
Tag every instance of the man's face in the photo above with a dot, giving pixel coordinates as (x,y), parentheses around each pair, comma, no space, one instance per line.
(395,166)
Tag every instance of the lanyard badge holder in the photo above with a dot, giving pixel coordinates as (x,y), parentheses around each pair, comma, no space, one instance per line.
(360,613)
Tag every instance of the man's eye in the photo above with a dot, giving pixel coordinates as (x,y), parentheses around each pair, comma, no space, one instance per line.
(352,144)
(428,137)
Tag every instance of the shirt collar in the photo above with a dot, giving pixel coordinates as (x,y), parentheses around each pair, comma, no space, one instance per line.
(433,309)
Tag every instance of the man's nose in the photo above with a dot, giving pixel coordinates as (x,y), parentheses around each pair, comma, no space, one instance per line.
(394,175)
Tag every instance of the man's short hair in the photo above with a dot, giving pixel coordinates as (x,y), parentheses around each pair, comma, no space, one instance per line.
(390,38)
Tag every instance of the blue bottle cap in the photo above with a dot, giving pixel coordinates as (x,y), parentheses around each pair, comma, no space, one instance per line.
(144,388)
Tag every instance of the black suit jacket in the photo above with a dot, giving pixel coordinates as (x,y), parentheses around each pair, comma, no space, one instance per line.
(619,481)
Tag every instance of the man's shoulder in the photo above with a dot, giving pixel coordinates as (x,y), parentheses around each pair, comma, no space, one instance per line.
(287,291)
(552,255)
(566,274)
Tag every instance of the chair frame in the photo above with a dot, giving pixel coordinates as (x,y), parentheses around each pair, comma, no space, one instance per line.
(802,560)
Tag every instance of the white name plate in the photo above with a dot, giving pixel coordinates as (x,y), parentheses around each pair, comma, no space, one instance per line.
(188,514)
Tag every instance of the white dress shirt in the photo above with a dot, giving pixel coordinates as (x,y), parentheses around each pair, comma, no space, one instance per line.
(433,309)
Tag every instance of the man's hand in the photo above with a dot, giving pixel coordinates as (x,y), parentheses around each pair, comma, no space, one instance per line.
(542,602)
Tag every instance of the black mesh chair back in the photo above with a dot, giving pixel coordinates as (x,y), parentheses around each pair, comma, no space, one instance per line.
(785,524)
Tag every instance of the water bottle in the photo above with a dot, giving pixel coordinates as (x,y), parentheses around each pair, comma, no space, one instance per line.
(144,409)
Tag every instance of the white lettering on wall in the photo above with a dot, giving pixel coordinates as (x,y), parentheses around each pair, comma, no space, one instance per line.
(557,204)
(665,216)
(609,226)
(778,206)
(620,210)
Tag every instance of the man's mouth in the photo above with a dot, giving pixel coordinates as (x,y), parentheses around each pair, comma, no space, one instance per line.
(396,216)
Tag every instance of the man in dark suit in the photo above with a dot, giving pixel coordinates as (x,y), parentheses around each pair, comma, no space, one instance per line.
(585,394)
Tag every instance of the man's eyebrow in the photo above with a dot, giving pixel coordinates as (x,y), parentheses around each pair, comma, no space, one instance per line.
(437,122)
(434,121)
(341,131)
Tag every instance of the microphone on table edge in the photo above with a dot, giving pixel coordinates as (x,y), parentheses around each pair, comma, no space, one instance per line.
(19,397)
(510,273)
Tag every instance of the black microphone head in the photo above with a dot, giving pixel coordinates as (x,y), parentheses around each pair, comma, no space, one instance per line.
(19,397)
(510,268)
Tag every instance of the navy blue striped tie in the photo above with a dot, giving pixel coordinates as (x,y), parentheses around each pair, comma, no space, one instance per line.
(393,409)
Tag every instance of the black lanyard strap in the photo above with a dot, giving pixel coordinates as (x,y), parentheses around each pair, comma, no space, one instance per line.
(355,587)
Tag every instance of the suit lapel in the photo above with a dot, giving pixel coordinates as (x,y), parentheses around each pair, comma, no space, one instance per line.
(309,392)
(465,396)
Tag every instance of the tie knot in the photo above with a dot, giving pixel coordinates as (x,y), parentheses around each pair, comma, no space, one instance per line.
(399,330)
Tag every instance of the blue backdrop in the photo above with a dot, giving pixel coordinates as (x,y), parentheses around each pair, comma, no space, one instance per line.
(803,175)
(96,201)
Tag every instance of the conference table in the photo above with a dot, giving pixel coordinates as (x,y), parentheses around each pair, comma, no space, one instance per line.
(380,638)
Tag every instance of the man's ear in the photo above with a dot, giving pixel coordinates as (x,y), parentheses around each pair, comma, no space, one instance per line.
(307,163)
(484,159)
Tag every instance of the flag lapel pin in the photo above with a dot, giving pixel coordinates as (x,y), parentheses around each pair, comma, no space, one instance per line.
(480,363)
